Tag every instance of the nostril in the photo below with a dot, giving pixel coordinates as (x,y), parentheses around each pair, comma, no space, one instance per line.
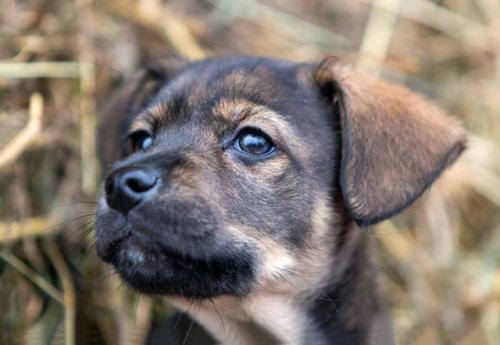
(140,184)
(109,186)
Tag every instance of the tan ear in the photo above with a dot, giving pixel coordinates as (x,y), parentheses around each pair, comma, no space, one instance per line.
(128,100)
(395,143)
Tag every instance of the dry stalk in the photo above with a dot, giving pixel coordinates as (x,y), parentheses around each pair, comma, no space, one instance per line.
(88,120)
(15,70)
(300,29)
(13,231)
(439,18)
(69,299)
(32,275)
(378,33)
(491,10)
(27,135)
(159,18)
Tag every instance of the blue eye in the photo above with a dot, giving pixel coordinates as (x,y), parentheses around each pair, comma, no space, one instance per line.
(254,142)
(141,140)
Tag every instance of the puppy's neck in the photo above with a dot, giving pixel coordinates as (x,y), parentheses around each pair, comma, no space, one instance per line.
(259,320)
(344,309)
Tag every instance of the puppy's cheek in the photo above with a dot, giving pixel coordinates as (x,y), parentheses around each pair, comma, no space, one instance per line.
(110,228)
(272,261)
(287,269)
(276,266)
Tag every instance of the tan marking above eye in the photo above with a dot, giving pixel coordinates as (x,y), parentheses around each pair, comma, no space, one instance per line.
(138,126)
(233,109)
(159,113)
(246,113)
(271,122)
(150,118)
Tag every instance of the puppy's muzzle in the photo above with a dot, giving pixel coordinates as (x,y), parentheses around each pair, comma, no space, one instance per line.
(127,187)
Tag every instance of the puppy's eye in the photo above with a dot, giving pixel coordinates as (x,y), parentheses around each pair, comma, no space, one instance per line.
(140,140)
(254,142)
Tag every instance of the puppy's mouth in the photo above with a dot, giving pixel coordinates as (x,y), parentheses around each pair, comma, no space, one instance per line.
(131,253)
(164,261)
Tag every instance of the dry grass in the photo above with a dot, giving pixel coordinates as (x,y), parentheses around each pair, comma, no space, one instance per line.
(60,59)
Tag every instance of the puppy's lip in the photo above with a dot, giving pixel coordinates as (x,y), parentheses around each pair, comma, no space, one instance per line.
(136,256)
(107,251)
(137,251)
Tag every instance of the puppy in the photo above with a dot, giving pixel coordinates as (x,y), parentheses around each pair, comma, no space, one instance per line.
(241,188)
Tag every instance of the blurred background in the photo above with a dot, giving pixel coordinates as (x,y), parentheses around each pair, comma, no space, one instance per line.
(59,62)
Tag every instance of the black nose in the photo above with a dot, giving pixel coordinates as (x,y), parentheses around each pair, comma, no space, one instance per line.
(127,187)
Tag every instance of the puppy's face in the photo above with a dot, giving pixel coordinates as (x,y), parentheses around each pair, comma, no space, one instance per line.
(221,182)
(236,172)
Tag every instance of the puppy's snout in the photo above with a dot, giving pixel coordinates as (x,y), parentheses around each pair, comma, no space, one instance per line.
(127,187)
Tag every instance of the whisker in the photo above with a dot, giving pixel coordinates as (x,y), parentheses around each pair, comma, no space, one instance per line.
(81,232)
(190,327)
(219,315)
(181,315)
(85,257)
(75,203)
(68,221)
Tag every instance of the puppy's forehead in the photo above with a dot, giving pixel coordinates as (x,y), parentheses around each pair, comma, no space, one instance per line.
(204,89)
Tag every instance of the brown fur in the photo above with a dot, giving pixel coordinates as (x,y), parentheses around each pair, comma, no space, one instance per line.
(268,250)
(395,141)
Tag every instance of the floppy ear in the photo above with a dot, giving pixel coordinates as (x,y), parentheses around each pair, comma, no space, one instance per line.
(128,101)
(394,143)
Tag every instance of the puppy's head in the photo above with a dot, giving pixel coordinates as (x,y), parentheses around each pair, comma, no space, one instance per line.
(234,174)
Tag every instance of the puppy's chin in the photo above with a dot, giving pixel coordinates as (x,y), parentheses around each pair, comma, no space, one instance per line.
(171,265)
(168,272)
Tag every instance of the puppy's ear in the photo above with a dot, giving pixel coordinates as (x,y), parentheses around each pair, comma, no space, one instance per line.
(128,100)
(394,143)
